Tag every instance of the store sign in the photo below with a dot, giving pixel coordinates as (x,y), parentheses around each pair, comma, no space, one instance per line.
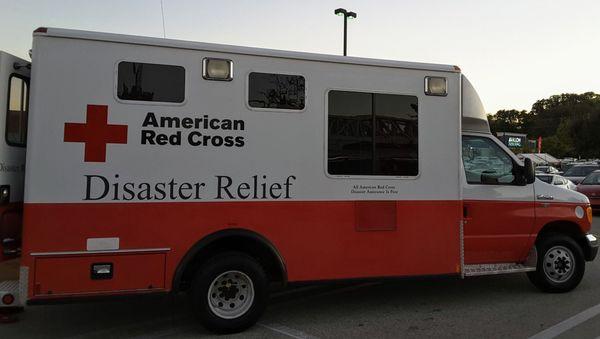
(514,141)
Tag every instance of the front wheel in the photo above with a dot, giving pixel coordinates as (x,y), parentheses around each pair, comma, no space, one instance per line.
(230,292)
(560,265)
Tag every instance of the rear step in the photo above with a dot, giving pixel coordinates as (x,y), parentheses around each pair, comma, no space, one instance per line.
(490,269)
(10,274)
(9,293)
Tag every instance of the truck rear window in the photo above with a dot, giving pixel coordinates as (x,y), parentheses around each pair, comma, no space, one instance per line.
(150,82)
(16,114)
(372,134)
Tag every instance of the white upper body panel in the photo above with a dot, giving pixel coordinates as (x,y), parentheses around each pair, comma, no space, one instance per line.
(73,69)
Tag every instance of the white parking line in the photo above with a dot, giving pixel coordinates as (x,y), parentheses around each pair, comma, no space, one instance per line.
(293,333)
(290,332)
(568,324)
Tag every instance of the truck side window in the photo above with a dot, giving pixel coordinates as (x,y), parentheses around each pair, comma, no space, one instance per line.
(16,114)
(277,91)
(150,82)
(372,134)
(486,163)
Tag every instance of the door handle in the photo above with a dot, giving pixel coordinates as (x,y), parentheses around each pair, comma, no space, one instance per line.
(544,197)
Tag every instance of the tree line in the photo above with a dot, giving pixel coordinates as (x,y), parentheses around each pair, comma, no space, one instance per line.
(569,124)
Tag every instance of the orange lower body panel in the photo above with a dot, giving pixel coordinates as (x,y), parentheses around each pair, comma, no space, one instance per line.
(318,240)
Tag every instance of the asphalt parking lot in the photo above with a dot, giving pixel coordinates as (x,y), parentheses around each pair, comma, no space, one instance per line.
(481,307)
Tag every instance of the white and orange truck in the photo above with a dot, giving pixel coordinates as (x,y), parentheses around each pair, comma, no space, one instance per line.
(152,165)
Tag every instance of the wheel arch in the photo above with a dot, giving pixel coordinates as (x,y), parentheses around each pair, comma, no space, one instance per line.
(565,227)
(239,240)
(568,228)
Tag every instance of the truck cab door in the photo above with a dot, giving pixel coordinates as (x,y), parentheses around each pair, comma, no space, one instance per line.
(14,106)
(498,204)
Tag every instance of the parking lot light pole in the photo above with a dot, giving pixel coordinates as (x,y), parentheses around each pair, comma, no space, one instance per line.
(346,14)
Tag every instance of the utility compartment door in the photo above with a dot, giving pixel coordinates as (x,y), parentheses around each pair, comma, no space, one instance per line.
(56,276)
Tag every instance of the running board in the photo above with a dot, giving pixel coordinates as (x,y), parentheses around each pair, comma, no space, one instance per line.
(491,269)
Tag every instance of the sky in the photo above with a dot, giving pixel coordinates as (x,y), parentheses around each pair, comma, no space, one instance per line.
(513,51)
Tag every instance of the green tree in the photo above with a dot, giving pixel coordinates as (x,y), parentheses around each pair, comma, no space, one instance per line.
(561,143)
(568,123)
(510,120)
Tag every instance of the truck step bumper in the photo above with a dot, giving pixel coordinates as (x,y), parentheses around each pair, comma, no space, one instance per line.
(490,269)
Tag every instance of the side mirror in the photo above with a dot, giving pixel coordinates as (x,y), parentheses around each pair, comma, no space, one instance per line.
(529,171)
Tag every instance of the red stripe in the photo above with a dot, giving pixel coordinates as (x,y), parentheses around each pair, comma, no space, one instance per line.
(318,240)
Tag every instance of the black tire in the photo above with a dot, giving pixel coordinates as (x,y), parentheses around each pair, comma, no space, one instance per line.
(215,267)
(543,279)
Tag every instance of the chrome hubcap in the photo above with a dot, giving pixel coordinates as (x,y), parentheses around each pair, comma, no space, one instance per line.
(559,264)
(231,295)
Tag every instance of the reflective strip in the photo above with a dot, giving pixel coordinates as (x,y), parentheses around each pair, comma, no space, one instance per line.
(102,244)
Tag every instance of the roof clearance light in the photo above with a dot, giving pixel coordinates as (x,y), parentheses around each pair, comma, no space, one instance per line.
(217,69)
(436,86)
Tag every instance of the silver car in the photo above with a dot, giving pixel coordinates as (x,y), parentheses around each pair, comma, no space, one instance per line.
(556,180)
(547,169)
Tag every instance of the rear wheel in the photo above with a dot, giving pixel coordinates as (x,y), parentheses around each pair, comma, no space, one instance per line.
(230,292)
(560,265)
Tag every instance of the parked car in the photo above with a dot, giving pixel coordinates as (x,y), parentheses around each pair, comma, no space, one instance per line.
(590,186)
(578,172)
(547,169)
(556,180)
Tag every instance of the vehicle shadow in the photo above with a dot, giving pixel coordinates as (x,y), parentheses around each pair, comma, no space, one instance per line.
(409,307)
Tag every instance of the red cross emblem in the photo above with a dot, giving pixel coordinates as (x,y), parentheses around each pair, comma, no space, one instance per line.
(96,133)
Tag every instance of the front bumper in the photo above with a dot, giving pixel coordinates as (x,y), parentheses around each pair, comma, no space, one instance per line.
(591,248)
